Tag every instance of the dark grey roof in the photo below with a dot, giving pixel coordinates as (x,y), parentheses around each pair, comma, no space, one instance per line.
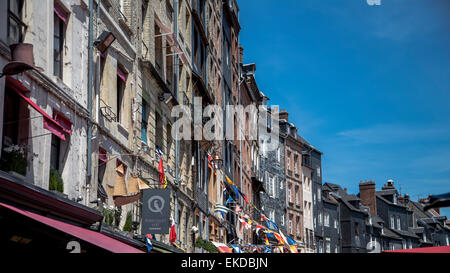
(404,233)
(390,234)
(380,196)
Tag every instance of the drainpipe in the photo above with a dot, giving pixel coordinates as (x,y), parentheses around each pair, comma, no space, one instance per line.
(176,85)
(90,85)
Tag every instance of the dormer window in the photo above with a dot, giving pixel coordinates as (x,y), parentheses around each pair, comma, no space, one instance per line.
(395,199)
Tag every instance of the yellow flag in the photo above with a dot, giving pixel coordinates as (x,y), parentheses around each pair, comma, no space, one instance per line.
(229,180)
(165,182)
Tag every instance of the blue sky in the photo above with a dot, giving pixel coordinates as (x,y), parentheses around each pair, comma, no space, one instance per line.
(367,85)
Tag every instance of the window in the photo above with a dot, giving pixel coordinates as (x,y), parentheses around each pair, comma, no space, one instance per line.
(288,161)
(290,224)
(159,131)
(121,81)
(55,152)
(296,164)
(398,223)
(424,236)
(319,195)
(282,220)
(327,219)
(328,245)
(318,172)
(290,193)
(58,42)
(320,218)
(15,132)
(404,244)
(392,222)
(16,28)
(356,229)
(335,223)
(144,124)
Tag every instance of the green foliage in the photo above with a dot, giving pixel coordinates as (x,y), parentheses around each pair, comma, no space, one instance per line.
(14,161)
(56,183)
(128,223)
(206,245)
(108,216)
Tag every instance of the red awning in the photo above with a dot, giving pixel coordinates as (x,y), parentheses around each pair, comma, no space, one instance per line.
(440,249)
(86,235)
(172,39)
(122,75)
(61,13)
(50,124)
(102,155)
(63,121)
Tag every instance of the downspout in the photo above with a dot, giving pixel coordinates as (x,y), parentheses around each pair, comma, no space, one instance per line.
(90,85)
(176,85)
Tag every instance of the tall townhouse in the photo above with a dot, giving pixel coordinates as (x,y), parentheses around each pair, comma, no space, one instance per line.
(45,190)
(273,200)
(44,112)
(230,94)
(251,184)
(214,85)
(139,77)
(294,183)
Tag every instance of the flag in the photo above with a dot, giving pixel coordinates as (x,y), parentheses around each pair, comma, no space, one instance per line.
(230,199)
(263,217)
(161,172)
(229,180)
(267,240)
(244,196)
(236,191)
(158,151)
(236,249)
(222,209)
(165,182)
(149,242)
(172,235)
(245,224)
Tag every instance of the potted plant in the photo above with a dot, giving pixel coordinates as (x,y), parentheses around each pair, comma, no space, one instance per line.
(56,183)
(14,160)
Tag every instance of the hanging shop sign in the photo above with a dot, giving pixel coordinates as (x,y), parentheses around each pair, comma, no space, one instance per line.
(156,211)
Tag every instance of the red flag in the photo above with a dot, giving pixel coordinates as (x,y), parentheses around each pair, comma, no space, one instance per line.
(161,172)
(172,235)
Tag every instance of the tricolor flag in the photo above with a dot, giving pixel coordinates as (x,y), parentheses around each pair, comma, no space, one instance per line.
(148,240)
(172,235)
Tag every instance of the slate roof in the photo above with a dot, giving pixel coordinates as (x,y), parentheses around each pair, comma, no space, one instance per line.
(390,234)
(406,233)
(380,196)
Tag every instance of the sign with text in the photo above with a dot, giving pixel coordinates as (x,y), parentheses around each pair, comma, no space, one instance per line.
(156,211)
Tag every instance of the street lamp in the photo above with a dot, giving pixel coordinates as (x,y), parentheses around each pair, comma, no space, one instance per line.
(217,161)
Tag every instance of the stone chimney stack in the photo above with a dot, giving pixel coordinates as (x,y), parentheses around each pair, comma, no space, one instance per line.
(367,195)
(284,115)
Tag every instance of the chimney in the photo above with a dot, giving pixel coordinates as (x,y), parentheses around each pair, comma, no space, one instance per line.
(389,185)
(345,190)
(241,54)
(284,115)
(367,195)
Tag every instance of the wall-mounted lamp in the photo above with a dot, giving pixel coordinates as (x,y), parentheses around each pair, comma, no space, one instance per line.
(104,41)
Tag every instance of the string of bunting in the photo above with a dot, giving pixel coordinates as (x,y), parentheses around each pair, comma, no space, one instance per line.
(247,223)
